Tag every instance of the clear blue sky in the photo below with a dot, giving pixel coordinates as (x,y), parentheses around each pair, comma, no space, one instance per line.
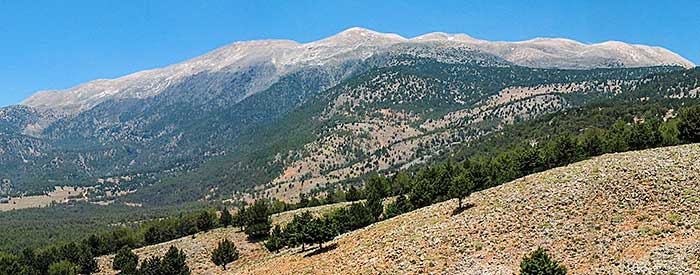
(58,44)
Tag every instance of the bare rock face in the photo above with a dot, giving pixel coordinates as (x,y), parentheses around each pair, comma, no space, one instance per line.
(353,44)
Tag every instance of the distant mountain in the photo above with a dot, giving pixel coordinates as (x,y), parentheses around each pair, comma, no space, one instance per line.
(276,117)
(266,61)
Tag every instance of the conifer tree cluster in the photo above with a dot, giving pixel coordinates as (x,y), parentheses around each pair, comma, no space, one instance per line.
(305,229)
(173,262)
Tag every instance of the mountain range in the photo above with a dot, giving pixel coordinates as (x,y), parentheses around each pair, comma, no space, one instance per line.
(275,118)
(282,57)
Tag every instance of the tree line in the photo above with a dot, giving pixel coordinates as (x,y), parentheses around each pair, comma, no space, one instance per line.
(172,263)
(79,255)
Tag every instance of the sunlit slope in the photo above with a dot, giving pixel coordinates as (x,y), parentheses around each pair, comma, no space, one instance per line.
(630,213)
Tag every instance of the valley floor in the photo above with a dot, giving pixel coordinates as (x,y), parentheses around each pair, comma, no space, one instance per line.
(627,213)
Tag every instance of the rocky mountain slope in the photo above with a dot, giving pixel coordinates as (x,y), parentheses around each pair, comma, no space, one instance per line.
(626,213)
(262,118)
(382,123)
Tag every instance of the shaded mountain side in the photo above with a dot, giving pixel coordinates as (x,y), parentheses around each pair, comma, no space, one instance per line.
(629,213)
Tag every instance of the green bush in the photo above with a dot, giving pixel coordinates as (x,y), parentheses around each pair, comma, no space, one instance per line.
(63,268)
(10,264)
(539,262)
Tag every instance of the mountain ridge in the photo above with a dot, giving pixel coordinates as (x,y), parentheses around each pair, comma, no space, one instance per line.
(286,56)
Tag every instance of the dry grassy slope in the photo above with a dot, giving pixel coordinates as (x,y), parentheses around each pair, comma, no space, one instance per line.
(629,213)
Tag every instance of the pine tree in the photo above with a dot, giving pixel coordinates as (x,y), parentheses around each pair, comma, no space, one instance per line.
(258,222)
(9,264)
(224,253)
(539,263)
(151,266)
(689,124)
(353,194)
(186,227)
(28,258)
(85,261)
(398,207)
(226,218)
(239,220)
(276,240)
(125,261)
(560,151)
(303,201)
(376,189)
(618,136)
(591,143)
(330,198)
(174,262)
(400,183)
(309,229)
(461,187)
(422,191)
(359,216)
(325,231)
(205,221)
(97,245)
(297,230)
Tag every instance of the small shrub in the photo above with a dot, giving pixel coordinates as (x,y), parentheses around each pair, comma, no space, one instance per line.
(540,263)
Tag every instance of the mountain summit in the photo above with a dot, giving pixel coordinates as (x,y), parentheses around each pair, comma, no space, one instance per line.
(281,57)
